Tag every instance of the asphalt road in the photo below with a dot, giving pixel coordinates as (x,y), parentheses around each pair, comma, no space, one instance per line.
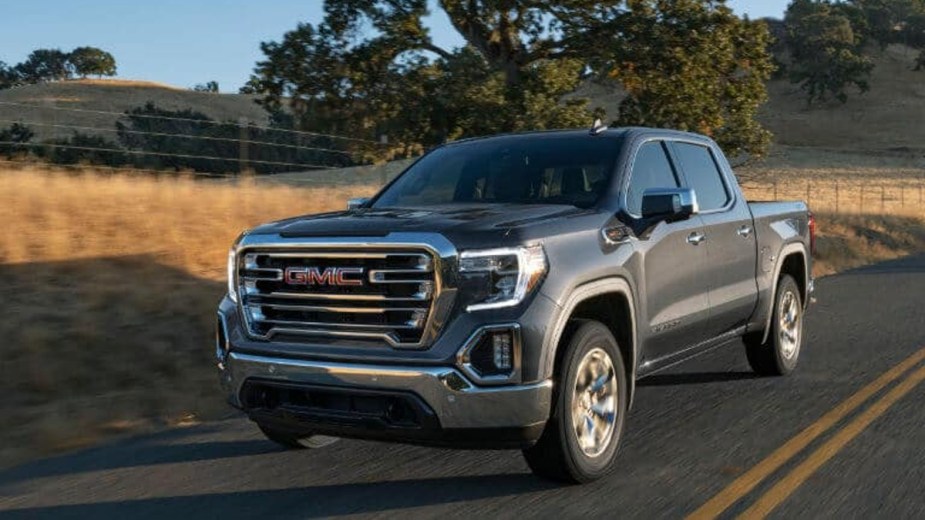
(693,432)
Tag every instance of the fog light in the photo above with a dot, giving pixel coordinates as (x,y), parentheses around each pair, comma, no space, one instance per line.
(501,344)
(492,355)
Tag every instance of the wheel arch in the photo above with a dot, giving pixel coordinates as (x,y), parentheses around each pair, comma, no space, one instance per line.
(792,261)
(610,301)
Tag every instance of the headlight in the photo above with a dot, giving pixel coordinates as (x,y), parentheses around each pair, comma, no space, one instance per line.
(232,270)
(496,278)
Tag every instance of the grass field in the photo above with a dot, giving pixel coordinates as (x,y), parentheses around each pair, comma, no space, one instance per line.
(110,284)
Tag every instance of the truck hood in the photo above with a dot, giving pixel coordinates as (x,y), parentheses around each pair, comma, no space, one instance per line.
(459,223)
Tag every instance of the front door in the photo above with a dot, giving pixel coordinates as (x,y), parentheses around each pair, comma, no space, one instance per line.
(673,295)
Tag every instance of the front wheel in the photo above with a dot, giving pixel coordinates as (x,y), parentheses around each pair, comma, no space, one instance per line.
(579,443)
(778,355)
(296,442)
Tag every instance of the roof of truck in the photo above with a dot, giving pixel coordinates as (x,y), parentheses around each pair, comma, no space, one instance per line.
(617,132)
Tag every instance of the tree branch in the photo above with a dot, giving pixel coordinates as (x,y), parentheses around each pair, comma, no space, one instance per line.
(443,53)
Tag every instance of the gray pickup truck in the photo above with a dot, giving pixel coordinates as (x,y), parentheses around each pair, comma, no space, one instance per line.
(508,292)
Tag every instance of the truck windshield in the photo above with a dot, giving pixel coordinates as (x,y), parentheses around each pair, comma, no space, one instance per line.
(573,169)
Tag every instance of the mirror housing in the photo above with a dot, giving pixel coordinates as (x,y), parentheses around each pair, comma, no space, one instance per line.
(669,205)
(357,203)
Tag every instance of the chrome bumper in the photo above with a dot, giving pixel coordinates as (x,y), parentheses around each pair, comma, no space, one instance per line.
(457,402)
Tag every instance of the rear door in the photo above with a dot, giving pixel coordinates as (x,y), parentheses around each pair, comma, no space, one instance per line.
(730,241)
(673,292)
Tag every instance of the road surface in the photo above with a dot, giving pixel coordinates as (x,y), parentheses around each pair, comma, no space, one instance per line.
(842,438)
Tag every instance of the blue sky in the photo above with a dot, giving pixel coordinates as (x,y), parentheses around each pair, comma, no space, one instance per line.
(184,42)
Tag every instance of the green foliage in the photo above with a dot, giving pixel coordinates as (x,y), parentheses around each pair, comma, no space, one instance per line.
(88,61)
(45,65)
(370,68)
(209,86)
(13,139)
(83,148)
(694,66)
(826,50)
(8,76)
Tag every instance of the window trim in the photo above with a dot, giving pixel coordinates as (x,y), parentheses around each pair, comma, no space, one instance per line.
(723,174)
(675,170)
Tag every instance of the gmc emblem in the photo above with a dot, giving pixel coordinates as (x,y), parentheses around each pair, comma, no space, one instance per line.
(330,276)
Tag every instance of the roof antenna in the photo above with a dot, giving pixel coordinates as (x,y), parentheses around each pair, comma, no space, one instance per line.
(598,127)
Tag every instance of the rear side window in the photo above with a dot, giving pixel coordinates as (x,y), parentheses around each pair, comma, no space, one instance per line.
(651,169)
(703,174)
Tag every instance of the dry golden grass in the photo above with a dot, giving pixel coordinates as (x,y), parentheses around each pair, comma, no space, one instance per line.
(111,282)
(110,287)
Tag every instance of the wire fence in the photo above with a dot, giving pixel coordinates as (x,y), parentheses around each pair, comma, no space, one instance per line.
(900,196)
(142,140)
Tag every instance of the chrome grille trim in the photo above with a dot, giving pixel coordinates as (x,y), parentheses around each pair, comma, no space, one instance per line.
(373,311)
(344,297)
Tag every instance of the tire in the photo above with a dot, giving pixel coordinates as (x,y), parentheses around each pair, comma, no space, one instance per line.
(562,453)
(778,355)
(296,442)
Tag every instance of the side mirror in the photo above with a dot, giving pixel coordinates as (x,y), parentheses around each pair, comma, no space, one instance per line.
(357,203)
(669,205)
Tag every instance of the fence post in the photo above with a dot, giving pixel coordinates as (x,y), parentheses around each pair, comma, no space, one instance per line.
(861,199)
(807,191)
(243,151)
(775,189)
(882,197)
(836,196)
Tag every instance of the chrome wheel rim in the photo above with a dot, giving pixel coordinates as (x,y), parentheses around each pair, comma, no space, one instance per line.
(789,325)
(594,402)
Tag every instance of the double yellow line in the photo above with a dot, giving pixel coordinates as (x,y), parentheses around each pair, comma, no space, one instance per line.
(789,483)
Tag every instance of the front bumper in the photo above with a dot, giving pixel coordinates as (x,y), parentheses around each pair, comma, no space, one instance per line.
(457,404)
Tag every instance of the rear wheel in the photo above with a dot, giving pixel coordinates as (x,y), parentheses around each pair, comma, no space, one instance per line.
(779,354)
(296,442)
(579,443)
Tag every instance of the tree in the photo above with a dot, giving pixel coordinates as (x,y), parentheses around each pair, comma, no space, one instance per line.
(209,86)
(693,66)
(826,51)
(13,140)
(45,65)
(90,60)
(370,68)
(8,76)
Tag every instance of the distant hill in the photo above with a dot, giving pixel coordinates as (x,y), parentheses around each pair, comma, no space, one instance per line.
(113,96)
(887,120)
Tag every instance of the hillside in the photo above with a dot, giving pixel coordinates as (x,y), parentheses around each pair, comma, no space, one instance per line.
(886,120)
(112,96)
(882,127)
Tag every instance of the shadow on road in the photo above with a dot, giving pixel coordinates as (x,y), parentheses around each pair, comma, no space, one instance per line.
(159,448)
(310,502)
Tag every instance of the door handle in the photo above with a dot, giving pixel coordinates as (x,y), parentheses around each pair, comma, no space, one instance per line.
(744,231)
(696,238)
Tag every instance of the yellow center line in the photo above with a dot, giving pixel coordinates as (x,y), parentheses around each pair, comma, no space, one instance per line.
(787,485)
(751,478)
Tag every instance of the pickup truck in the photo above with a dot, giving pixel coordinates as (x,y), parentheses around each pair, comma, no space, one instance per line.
(507,292)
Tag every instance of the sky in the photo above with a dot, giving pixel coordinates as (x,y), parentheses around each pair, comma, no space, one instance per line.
(185,42)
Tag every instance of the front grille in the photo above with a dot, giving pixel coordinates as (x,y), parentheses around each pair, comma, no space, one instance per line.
(361,294)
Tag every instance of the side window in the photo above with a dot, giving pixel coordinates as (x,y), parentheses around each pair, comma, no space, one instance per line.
(651,169)
(703,174)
